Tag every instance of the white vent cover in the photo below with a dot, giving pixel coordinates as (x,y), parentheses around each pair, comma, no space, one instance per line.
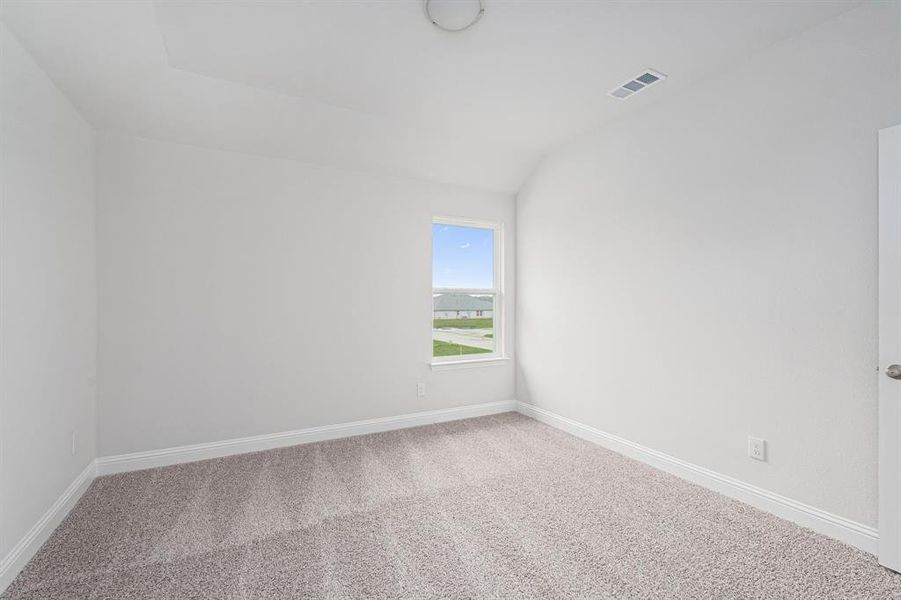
(638,83)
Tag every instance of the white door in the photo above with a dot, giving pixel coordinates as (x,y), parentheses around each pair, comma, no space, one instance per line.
(890,347)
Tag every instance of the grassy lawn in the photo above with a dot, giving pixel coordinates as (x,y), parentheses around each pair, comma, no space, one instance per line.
(440,348)
(463,323)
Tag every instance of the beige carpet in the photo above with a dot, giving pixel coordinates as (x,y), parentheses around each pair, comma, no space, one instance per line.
(495,507)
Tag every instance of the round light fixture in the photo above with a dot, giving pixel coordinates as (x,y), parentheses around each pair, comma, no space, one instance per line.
(454,15)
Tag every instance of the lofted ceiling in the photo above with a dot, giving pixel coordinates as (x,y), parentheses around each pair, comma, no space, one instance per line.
(372,85)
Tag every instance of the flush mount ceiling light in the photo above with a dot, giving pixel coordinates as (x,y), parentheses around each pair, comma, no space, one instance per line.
(454,15)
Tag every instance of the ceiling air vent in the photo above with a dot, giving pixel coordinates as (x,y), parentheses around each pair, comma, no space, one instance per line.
(641,82)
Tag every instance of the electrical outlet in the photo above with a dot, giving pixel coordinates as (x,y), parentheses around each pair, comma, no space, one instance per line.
(757,448)
(420,390)
(74,444)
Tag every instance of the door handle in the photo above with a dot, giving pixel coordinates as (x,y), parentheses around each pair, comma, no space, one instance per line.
(894,371)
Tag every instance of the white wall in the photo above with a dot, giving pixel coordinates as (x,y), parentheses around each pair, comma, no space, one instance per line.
(47,294)
(706,269)
(242,295)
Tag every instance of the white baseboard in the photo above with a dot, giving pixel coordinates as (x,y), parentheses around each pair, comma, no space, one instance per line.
(136,461)
(851,532)
(31,542)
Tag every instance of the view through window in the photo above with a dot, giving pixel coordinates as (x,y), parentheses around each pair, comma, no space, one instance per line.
(465,290)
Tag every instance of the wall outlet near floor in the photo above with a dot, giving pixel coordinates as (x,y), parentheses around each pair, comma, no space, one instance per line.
(74,444)
(757,448)
(420,390)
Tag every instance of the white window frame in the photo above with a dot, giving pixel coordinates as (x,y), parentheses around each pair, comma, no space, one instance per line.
(497,291)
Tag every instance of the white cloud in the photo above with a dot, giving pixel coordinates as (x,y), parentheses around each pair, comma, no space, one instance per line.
(466,245)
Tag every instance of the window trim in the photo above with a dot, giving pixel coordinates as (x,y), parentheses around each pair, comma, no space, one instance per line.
(498,291)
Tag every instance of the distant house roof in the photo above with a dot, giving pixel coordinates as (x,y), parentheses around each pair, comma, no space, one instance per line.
(462,302)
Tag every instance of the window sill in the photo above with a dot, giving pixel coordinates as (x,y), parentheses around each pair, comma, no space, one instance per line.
(469,363)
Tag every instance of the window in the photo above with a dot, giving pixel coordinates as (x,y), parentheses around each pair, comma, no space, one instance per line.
(466,290)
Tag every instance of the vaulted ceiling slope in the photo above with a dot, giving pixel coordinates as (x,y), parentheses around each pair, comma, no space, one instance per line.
(372,85)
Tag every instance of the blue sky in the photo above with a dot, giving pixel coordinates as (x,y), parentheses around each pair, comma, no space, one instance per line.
(462,256)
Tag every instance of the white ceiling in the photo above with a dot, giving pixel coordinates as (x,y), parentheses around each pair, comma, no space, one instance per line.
(372,85)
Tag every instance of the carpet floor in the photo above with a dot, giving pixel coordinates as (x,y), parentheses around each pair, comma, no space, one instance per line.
(494,507)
